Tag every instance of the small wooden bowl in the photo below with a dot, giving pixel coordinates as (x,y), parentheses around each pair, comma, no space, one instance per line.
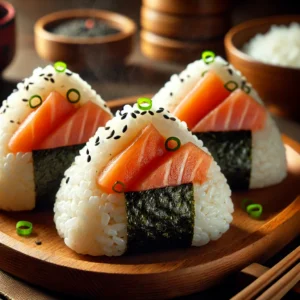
(184,27)
(161,48)
(7,34)
(189,7)
(278,86)
(85,51)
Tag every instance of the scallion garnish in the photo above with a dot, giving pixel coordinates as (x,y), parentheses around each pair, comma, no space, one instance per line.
(246,89)
(144,103)
(254,210)
(118,187)
(24,228)
(203,73)
(73,91)
(60,66)
(208,57)
(169,141)
(231,86)
(35,101)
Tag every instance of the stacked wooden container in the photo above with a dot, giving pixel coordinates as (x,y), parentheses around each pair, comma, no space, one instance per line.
(179,30)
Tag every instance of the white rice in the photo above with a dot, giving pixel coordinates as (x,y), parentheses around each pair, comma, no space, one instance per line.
(268,152)
(16,171)
(92,222)
(279,46)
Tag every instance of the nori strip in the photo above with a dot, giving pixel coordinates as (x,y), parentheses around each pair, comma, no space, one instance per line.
(160,218)
(232,150)
(49,168)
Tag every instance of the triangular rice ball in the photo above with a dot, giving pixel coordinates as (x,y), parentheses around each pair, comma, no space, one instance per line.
(143,182)
(43,124)
(223,110)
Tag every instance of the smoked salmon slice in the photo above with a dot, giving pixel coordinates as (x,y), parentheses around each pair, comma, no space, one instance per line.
(40,123)
(128,166)
(78,128)
(208,93)
(238,112)
(187,164)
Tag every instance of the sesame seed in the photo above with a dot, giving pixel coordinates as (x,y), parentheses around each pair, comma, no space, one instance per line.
(124,129)
(124,116)
(97,139)
(31,83)
(26,87)
(87,151)
(107,128)
(67,180)
(166,117)
(151,112)
(133,115)
(230,71)
(160,110)
(89,158)
(69,73)
(50,75)
(24,100)
(137,112)
(181,79)
(38,243)
(45,78)
(52,80)
(171,94)
(11,121)
(143,113)
(117,137)
(173,119)
(111,135)
(105,105)
(41,74)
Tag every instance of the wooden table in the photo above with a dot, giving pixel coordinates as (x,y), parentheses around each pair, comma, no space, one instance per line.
(139,76)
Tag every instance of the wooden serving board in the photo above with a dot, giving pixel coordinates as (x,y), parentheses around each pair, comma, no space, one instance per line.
(162,274)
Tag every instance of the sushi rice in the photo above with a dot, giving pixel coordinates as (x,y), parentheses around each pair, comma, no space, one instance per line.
(92,222)
(17,190)
(268,153)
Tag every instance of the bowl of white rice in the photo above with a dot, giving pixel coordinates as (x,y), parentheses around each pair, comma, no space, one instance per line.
(267,52)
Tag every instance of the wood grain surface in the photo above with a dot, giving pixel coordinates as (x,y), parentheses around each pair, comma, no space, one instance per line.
(162,274)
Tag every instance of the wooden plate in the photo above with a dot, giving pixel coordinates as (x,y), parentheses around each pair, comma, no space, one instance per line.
(162,274)
(184,27)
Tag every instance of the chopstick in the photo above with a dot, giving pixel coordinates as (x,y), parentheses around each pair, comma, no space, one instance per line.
(279,288)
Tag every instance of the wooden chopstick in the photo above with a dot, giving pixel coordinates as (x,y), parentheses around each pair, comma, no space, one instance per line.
(284,284)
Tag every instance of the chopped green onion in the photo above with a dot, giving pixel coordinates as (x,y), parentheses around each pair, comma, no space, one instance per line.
(73,91)
(175,139)
(231,86)
(203,73)
(142,101)
(60,66)
(254,210)
(24,228)
(208,57)
(35,101)
(244,203)
(121,186)
(246,89)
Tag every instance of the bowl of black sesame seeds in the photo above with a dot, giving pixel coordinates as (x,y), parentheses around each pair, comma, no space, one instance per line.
(85,37)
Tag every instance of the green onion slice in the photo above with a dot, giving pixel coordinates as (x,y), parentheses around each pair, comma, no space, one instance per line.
(118,187)
(203,73)
(60,66)
(73,99)
(254,210)
(231,86)
(246,89)
(144,103)
(35,101)
(208,57)
(176,140)
(24,228)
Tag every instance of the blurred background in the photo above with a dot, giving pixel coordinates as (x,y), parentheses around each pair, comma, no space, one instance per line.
(140,75)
